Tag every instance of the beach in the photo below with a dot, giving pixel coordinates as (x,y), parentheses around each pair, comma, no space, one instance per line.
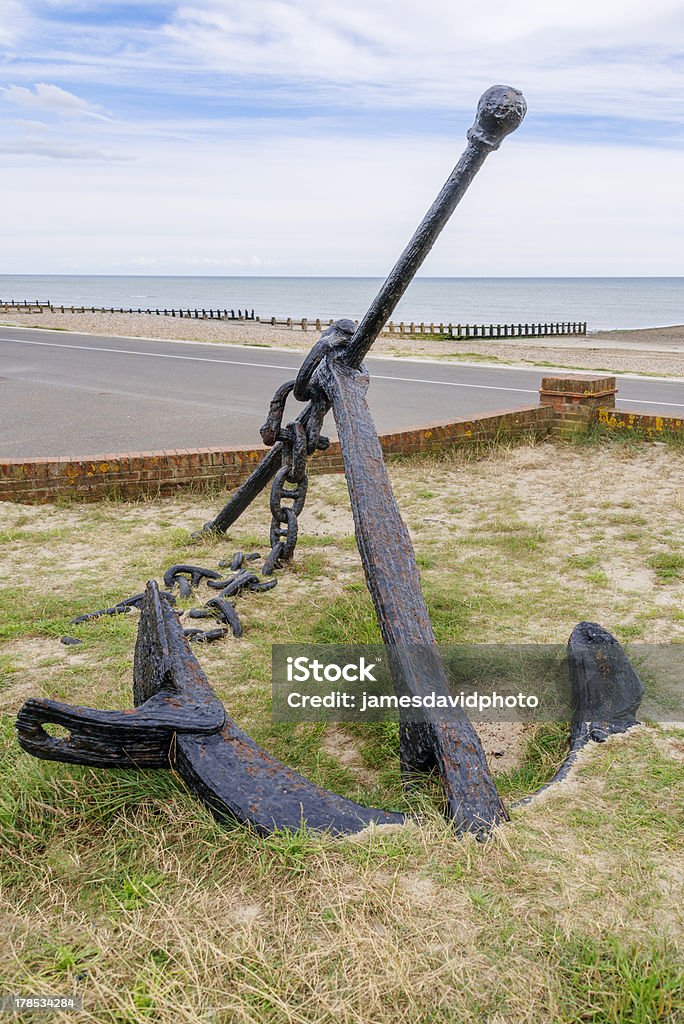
(657,350)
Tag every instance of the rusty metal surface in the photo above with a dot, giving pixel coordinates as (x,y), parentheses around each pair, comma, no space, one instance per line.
(500,111)
(171,695)
(223,765)
(235,778)
(605,690)
(179,722)
(450,745)
(329,376)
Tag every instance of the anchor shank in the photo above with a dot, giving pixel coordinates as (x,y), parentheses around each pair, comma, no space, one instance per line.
(449,744)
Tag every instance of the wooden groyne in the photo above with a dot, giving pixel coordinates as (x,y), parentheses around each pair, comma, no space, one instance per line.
(459,332)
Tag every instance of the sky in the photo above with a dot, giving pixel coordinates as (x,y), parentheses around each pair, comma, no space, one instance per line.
(308,137)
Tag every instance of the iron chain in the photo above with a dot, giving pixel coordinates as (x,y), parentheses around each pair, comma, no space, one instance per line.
(298,439)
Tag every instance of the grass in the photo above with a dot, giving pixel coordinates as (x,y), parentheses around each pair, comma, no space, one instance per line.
(668,566)
(120,887)
(634,439)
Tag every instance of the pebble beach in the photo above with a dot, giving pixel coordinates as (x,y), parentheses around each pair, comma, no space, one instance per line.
(658,350)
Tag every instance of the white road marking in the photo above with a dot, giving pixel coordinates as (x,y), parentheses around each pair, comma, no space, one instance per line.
(458,384)
(151,355)
(241,362)
(547,369)
(643,401)
(277,366)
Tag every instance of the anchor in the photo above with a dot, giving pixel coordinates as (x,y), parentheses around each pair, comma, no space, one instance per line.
(179,722)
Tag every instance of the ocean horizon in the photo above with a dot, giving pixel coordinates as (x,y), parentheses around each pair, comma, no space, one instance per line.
(605,303)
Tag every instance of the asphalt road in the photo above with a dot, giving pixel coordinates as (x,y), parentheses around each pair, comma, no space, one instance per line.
(77,394)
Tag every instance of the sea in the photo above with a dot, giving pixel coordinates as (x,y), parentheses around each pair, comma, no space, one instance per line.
(605,303)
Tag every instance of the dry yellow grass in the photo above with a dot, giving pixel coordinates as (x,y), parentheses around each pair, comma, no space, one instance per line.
(121,888)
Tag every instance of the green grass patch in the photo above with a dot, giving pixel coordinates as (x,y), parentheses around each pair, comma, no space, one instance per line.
(668,566)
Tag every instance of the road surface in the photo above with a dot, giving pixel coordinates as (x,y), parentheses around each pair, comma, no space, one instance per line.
(86,395)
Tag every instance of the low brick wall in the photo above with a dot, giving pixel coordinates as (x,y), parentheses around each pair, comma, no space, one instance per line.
(576,400)
(133,474)
(568,405)
(640,423)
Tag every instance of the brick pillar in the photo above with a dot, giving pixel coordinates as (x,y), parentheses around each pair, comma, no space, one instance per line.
(576,400)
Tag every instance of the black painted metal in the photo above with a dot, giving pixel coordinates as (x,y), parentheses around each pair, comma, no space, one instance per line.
(499,112)
(449,745)
(120,608)
(453,747)
(179,722)
(171,695)
(225,611)
(605,691)
(195,572)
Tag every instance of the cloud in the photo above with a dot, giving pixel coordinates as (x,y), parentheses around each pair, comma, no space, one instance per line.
(14,19)
(309,136)
(51,98)
(57,150)
(613,57)
(244,206)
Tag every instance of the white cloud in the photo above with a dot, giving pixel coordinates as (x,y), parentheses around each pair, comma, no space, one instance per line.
(285,195)
(56,150)
(617,56)
(51,98)
(247,206)
(14,20)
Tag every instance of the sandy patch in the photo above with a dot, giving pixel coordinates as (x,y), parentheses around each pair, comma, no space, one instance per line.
(339,744)
(36,662)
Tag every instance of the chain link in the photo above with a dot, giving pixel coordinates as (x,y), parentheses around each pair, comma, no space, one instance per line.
(298,439)
(287,502)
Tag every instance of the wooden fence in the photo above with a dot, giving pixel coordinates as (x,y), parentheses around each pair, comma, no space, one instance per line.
(404,328)
(11,306)
(450,330)
(196,314)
